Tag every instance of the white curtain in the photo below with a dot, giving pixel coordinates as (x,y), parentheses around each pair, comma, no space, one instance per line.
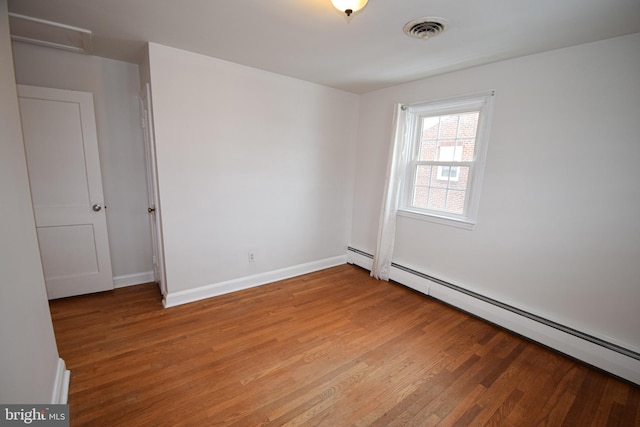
(392,193)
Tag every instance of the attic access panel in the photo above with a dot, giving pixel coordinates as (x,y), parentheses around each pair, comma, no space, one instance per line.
(47,33)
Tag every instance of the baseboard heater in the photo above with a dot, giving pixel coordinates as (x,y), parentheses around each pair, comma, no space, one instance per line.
(602,354)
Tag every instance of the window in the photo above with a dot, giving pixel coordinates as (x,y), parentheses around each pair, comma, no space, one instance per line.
(447,144)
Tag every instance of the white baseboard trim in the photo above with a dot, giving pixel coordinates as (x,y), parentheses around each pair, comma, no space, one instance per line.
(602,354)
(190,295)
(60,393)
(132,279)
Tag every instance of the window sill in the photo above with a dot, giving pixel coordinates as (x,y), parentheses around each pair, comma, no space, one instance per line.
(464,224)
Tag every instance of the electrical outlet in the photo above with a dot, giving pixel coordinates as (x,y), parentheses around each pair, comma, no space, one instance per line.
(252,256)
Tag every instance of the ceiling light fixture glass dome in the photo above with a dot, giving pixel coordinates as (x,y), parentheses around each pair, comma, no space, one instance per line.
(349,6)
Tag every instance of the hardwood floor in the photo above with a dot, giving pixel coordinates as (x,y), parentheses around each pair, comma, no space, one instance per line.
(332,348)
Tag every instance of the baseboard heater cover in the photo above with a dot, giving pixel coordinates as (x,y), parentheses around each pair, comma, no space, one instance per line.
(602,354)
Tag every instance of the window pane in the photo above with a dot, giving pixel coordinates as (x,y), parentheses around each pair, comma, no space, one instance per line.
(468,125)
(420,197)
(468,148)
(455,201)
(435,191)
(430,127)
(437,199)
(448,173)
(436,180)
(449,126)
(447,151)
(461,180)
(428,149)
(423,175)
(457,131)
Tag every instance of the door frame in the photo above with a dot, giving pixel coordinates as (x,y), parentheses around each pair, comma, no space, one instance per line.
(153,196)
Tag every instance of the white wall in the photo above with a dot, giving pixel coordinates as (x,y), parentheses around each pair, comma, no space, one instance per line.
(28,354)
(558,231)
(248,161)
(115,86)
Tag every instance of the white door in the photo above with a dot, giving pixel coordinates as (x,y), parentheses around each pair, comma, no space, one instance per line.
(152,188)
(61,147)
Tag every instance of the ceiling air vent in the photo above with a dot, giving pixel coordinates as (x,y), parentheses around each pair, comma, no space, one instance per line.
(425,28)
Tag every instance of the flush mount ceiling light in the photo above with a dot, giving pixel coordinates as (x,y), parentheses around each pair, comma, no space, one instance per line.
(425,28)
(349,7)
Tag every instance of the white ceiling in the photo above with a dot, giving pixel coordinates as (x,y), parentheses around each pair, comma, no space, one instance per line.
(310,40)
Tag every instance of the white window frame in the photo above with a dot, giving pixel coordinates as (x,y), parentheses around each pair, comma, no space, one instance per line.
(482,102)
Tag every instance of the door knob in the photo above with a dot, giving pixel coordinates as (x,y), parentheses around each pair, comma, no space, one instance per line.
(96,207)
(150,210)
